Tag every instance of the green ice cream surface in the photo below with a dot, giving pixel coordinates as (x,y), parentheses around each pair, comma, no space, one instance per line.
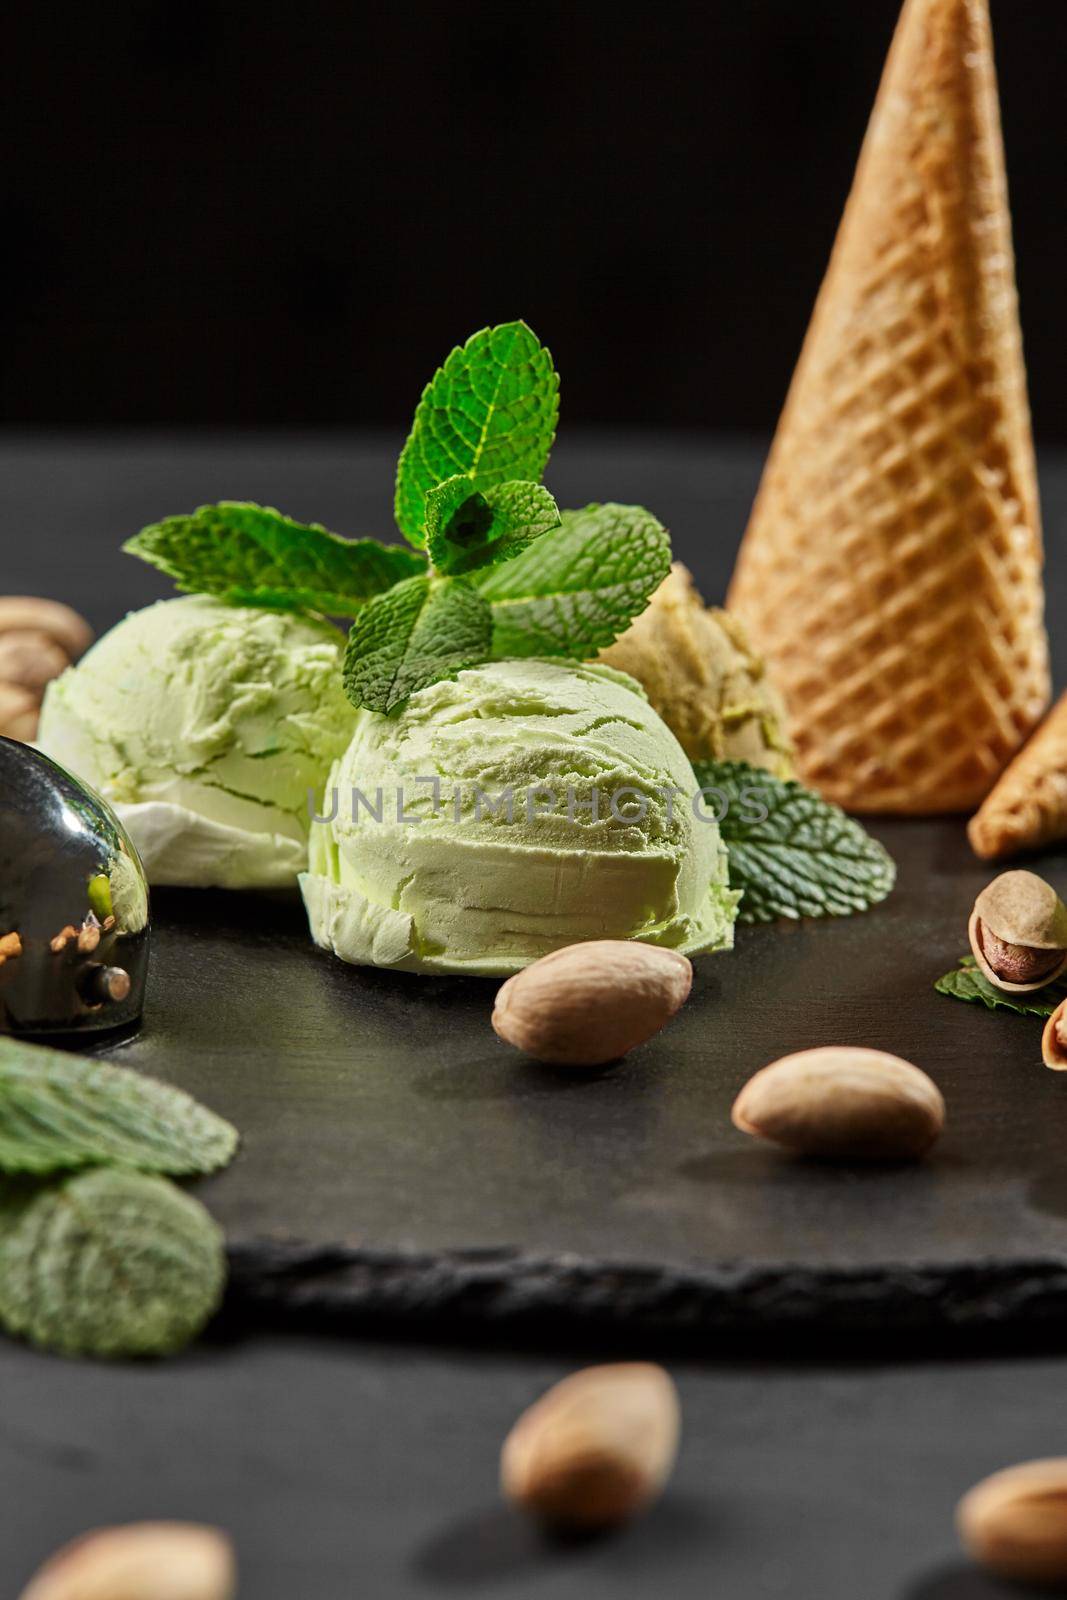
(206,726)
(424,891)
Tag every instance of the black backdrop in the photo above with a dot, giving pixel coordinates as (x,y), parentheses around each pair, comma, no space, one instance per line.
(288,213)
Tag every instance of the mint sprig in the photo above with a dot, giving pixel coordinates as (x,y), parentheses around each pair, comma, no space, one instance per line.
(467,529)
(793,853)
(574,592)
(968,982)
(497,569)
(251,555)
(422,630)
(488,414)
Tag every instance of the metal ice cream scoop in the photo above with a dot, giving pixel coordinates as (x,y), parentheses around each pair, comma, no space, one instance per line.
(74,922)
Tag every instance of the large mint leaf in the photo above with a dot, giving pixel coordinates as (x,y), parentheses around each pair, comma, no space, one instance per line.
(969,983)
(803,857)
(423,630)
(108,1263)
(250,555)
(489,414)
(59,1110)
(575,590)
(466,528)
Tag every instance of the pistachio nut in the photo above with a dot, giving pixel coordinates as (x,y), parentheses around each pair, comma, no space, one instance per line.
(1018,932)
(588,1004)
(31,658)
(844,1104)
(1015,1523)
(1054,1039)
(596,1448)
(19,709)
(27,612)
(141,1561)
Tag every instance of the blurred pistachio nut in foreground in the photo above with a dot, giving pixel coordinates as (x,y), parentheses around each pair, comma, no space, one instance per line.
(38,641)
(1018,932)
(142,1561)
(1015,1523)
(596,1449)
(588,1004)
(843,1103)
(707,683)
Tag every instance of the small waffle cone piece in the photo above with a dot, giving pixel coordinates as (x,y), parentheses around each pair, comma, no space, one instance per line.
(891,571)
(1028,807)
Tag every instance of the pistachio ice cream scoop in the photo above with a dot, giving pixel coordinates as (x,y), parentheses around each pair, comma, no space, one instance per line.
(524,806)
(206,726)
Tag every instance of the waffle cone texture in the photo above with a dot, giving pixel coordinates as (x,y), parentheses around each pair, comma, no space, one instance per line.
(891,573)
(1028,807)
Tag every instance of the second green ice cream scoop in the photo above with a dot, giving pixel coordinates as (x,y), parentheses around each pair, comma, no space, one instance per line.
(521,807)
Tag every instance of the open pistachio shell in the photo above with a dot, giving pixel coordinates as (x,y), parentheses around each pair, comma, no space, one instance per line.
(1053,1049)
(994,977)
(1019,908)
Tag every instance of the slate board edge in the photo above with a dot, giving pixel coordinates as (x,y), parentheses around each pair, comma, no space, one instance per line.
(507,1293)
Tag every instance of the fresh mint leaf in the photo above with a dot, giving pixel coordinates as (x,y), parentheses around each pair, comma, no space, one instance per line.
(108,1263)
(62,1111)
(489,414)
(250,555)
(468,528)
(422,630)
(572,593)
(967,982)
(793,853)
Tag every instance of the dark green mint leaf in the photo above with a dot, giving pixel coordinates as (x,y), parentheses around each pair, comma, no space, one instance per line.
(489,414)
(802,857)
(107,1263)
(575,590)
(59,1111)
(422,630)
(250,555)
(468,528)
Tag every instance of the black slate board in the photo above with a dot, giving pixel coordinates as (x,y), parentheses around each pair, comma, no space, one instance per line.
(400,1162)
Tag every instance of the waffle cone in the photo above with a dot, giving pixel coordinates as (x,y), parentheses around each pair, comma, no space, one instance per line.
(1028,807)
(891,571)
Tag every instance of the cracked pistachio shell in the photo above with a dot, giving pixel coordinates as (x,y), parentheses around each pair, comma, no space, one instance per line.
(1019,908)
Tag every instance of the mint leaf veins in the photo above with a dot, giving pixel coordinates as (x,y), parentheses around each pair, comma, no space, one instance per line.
(63,1111)
(793,853)
(422,630)
(251,555)
(576,590)
(107,1263)
(489,414)
(467,528)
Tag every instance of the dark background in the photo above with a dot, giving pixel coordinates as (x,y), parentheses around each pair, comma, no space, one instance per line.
(287,214)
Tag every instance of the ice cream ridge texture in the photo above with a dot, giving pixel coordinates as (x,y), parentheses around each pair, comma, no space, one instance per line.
(206,726)
(519,808)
